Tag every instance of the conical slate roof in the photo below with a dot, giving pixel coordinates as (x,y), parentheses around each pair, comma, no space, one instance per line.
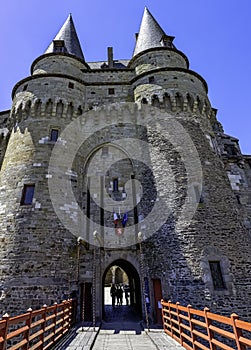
(150,33)
(67,34)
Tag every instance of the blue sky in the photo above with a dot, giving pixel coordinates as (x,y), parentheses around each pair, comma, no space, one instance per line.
(214,34)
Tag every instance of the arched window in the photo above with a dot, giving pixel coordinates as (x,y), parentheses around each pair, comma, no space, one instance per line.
(155,101)
(190,101)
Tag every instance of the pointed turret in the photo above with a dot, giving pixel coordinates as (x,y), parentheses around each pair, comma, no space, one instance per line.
(151,34)
(66,40)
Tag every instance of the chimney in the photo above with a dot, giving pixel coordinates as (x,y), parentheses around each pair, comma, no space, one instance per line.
(110,57)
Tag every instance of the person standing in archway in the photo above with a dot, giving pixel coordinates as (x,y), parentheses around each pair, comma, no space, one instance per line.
(113,293)
(120,295)
(127,295)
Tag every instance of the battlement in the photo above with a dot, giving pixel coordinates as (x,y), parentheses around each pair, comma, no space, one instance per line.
(57,107)
(61,109)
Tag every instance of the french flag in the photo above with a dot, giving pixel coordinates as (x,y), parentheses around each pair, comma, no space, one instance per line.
(125,219)
(115,218)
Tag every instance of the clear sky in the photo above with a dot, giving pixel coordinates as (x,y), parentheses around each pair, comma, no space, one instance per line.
(214,34)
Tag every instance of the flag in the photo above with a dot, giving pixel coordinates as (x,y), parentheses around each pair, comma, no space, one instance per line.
(125,219)
(115,218)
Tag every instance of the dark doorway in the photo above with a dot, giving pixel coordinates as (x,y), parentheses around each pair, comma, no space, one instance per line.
(124,276)
(86,301)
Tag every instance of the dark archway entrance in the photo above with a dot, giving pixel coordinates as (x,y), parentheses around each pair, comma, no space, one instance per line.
(122,274)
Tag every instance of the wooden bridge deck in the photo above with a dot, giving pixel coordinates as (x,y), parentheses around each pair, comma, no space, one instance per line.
(114,336)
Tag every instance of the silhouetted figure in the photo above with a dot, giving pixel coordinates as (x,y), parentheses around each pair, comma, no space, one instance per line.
(120,295)
(113,293)
(127,296)
(117,294)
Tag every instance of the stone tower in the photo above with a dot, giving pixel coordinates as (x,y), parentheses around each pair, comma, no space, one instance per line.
(120,169)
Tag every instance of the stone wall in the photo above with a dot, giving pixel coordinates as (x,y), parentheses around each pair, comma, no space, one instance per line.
(161,111)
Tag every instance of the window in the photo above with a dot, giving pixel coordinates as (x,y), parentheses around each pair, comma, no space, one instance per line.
(105,151)
(27,195)
(58,45)
(238,199)
(231,150)
(71,85)
(111,91)
(216,274)
(115,185)
(25,87)
(151,80)
(54,135)
(198,194)
(167,41)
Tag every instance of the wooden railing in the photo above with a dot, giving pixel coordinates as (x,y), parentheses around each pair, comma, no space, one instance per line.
(196,329)
(38,329)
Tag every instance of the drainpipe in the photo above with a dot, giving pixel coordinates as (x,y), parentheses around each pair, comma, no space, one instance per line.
(142,270)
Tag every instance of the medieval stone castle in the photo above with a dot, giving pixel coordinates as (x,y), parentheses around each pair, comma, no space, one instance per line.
(118,171)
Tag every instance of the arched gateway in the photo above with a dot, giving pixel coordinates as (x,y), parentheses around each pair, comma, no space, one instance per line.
(122,274)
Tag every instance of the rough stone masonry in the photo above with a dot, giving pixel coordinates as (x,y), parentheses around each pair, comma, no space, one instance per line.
(85,141)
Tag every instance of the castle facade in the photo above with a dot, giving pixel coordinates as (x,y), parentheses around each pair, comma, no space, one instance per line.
(121,168)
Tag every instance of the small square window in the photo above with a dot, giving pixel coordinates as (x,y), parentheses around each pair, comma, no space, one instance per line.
(71,85)
(151,80)
(54,135)
(27,195)
(59,45)
(216,273)
(25,87)
(111,91)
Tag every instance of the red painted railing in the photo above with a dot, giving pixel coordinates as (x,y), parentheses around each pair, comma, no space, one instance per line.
(196,329)
(38,329)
